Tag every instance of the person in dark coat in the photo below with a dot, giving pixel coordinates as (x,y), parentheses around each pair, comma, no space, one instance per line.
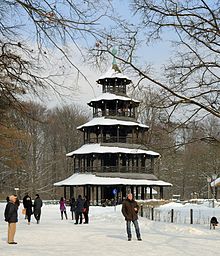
(79,209)
(72,207)
(27,203)
(11,216)
(86,210)
(37,208)
(129,210)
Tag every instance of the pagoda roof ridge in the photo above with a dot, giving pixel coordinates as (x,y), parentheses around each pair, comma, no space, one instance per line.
(111,121)
(91,179)
(112,96)
(100,149)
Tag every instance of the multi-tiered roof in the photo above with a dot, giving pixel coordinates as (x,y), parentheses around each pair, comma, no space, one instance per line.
(114,141)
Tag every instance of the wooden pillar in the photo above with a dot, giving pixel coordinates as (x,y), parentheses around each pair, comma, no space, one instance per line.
(118,133)
(74,163)
(132,190)
(64,192)
(151,193)
(132,163)
(152,165)
(87,136)
(139,163)
(71,191)
(142,192)
(84,190)
(101,131)
(161,192)
(133,135)
(92,195)
(119,157)
(84,163)
(137,192)
(84,136)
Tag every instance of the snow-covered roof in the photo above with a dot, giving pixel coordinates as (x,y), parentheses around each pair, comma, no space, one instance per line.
(91,179)
(110,121)
(112,73)
(98,148)
(111,96)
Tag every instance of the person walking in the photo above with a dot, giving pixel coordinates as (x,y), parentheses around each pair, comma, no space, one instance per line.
(72,207)
(11,216)
(79,209)
(37,208)
(63,207)
(129,210)
(86,210)
(27,203)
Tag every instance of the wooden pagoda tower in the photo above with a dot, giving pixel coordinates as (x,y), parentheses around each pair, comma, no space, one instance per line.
(113,158)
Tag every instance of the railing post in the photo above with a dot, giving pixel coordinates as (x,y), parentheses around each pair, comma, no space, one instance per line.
(172,213)
(191,216)
(142,212)
(152,213)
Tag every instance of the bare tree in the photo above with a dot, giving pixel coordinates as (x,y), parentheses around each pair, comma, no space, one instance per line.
(191,78)
(40,28)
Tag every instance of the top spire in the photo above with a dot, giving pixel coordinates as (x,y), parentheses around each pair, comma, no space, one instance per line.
(114,64)
(114,52)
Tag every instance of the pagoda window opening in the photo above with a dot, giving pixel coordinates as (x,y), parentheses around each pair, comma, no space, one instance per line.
(104,136)
(83,164)
(74,163)
(103,88)
(129,164)
(152,165)
(101,134)
(88,163)
(79,164)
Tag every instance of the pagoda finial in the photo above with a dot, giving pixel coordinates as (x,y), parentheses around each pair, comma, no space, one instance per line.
(114,64)
(114,52)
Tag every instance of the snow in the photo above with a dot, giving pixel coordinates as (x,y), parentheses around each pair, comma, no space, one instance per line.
(106,235)
(97,148)
(111,73)
(91,179)
(110,121)
(111,96)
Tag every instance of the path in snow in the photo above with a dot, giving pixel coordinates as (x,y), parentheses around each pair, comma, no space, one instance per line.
(105,235)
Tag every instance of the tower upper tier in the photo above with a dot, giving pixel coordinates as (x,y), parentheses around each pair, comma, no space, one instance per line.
(113,81)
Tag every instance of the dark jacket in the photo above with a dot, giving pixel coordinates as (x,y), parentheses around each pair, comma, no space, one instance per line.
(11,213)
(28,205)
(79,205)
(128,210)
(72,205)
(37,205)
(86,206)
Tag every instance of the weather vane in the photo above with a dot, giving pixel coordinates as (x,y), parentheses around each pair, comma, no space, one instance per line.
(114,52)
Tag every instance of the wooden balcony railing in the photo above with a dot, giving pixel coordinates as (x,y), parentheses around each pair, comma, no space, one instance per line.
(120,169)
(115,139)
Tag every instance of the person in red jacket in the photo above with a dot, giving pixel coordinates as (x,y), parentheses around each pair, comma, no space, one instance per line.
(130,210)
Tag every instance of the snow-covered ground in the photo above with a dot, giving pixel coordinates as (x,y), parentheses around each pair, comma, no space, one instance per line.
(106,235)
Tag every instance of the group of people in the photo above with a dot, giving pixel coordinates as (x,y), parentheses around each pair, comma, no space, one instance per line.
(78,208)
(11,212)
(32,208)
